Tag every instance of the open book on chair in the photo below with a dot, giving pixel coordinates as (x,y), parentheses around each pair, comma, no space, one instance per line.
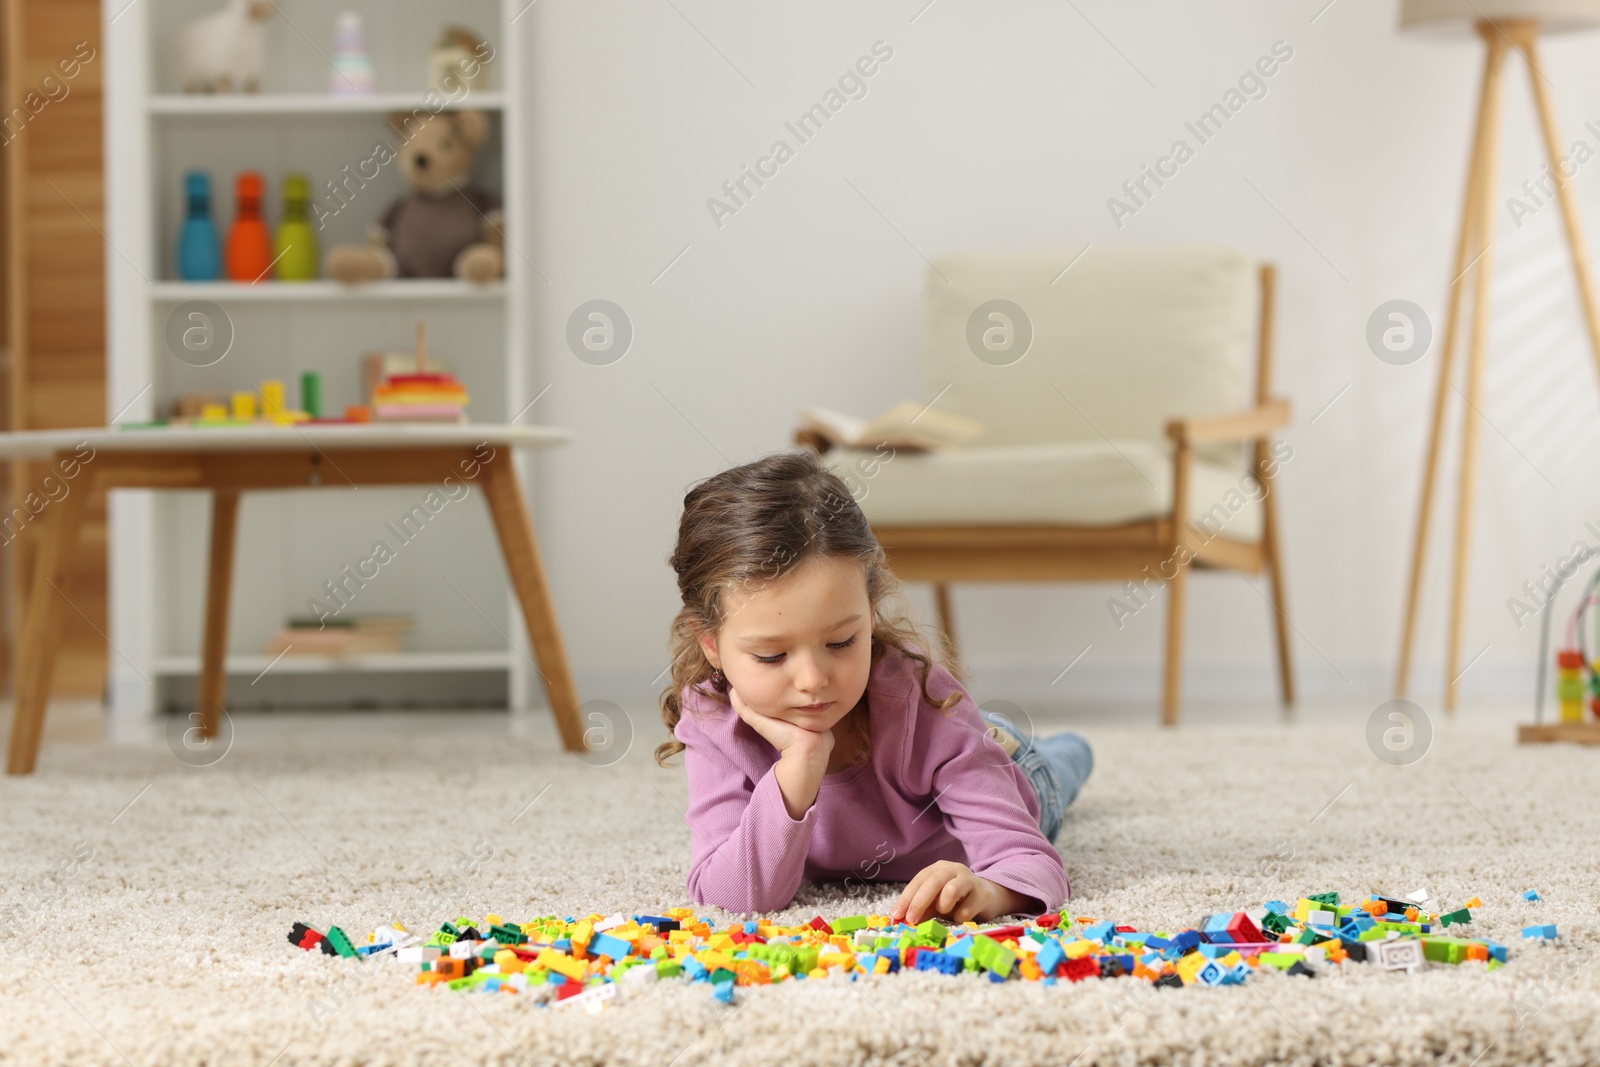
(909,425)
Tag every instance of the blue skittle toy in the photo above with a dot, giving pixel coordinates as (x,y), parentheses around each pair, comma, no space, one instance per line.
(199,251)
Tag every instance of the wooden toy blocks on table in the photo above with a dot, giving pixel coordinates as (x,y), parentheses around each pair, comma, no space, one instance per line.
(250,459)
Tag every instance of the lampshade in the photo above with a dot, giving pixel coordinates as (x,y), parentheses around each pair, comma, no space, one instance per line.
(1555,16)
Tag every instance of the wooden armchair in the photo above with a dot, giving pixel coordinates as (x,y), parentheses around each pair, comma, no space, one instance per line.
(1114,426)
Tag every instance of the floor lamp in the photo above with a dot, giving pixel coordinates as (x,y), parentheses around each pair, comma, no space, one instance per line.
(1503,25)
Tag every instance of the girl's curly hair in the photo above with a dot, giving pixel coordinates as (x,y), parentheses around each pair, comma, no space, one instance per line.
(754,524)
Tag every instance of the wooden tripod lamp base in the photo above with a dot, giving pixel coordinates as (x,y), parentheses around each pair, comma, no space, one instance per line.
(1503,26)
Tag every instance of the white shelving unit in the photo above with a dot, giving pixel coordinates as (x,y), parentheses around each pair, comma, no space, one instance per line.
(466,634)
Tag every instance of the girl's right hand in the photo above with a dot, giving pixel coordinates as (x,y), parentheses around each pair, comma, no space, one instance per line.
(789,739)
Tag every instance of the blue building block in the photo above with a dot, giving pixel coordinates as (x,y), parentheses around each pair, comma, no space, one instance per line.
(1211,974)
(1048,957)
(961,949)
(1100,931)
(938,961)
(887,954)
(1186,941)
(723,991)
(1531,895)
(1547,931)
(1157,943)
(1277,907)
(1236,974)
(603,944)
(1497,951)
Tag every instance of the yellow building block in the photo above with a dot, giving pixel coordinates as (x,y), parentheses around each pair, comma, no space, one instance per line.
(1189,967)
(562,964)
(272,405)
(712,960)
(1074,949)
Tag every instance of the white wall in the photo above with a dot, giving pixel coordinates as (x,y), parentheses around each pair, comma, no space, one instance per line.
(1008,125)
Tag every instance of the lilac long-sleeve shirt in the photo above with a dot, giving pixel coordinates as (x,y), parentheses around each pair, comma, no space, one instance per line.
(937,787)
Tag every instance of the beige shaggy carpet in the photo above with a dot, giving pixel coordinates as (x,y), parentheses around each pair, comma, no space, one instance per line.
(145,903)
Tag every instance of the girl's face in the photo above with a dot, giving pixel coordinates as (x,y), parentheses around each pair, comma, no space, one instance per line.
(800,641)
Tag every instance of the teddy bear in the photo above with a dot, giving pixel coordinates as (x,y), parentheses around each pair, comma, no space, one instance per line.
(444,228)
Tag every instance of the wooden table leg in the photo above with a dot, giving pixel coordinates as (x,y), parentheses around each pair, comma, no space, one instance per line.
(515,530)
(219,585)
(41,631)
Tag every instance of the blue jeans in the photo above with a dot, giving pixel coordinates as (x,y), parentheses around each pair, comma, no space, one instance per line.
(1057,766)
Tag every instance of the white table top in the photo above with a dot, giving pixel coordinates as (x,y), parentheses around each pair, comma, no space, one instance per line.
(29,444)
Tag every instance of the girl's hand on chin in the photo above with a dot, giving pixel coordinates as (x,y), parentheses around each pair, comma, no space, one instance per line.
(789,739)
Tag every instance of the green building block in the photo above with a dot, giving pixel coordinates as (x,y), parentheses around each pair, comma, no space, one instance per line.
(340,942)
(992,955)
(1445,949)
(932,934)
(849,924)
(668,968)
(1330,899)
(508,934)
(1280,960)
(1450,918)
(1275,923)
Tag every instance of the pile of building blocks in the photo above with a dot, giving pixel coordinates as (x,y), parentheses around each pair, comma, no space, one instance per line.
(586,960)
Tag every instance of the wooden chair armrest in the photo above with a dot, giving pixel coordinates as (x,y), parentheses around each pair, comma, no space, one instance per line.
(813,440)
(1240,426)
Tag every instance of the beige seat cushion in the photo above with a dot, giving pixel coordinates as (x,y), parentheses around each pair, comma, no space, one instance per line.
(1125,340)
(1087,483)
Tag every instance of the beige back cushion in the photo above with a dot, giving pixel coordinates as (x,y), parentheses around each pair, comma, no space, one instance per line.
(1123,341)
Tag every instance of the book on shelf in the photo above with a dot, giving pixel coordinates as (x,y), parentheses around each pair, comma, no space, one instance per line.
(909,425)
(339,635)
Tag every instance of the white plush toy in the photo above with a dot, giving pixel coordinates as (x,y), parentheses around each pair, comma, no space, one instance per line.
(222,51)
